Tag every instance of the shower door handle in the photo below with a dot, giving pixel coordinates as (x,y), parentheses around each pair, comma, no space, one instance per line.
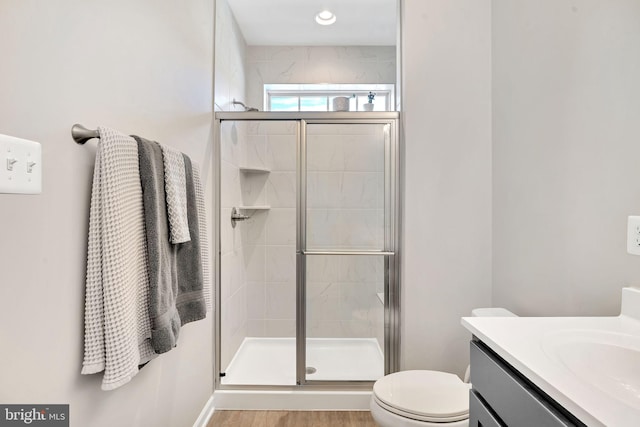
(383,253)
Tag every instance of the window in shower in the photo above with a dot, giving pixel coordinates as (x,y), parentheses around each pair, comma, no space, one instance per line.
(319,97)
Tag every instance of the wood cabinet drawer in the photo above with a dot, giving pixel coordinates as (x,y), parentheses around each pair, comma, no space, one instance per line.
(515,401)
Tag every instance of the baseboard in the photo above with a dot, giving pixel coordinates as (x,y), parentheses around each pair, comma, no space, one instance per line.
(292,400)
(205,414)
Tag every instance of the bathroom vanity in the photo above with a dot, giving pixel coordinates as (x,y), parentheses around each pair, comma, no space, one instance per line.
(556,371)
(501,396)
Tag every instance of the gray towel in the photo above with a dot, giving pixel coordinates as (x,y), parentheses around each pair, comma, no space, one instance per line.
(163,289)
(175,271)
(191,302)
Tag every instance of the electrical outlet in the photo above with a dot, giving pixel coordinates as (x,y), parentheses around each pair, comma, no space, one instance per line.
(633,235)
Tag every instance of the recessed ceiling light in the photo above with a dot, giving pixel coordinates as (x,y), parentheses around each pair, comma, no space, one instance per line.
(326,17)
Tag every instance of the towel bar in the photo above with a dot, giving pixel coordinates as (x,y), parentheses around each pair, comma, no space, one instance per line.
(81,134)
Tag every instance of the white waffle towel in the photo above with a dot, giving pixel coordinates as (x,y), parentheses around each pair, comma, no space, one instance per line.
(117,326)
(175,186)
(204,237)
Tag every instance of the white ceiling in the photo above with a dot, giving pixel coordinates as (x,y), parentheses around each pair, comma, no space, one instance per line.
(292,23)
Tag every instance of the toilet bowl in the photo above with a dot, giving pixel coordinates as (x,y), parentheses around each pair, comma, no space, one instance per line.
(423,398)
(420,398)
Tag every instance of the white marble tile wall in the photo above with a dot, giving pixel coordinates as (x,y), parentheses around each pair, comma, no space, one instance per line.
(233,280)
(345,200)
(317,64)
(271,266)
(233,273)
(230,53)
(230,56)
(345,196)
(342,297)
(345,185)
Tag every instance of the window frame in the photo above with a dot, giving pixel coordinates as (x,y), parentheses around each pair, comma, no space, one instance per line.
(329,91)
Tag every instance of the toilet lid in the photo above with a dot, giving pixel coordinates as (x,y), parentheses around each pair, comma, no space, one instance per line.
(424,395)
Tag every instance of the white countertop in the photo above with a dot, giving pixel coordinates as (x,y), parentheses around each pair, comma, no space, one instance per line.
(524,343)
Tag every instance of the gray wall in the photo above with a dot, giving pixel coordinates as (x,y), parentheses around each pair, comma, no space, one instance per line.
(142,67)
(446,259)
(566,143)
(521,138)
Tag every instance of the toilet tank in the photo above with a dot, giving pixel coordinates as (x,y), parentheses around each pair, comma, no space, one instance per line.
(492,312)
(487,312)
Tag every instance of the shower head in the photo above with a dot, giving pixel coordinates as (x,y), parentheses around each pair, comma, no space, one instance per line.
(234,102)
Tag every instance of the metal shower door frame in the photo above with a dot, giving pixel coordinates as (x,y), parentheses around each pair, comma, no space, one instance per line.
(390,250)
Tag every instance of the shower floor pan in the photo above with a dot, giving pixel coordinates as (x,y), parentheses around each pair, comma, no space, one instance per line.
(272,361)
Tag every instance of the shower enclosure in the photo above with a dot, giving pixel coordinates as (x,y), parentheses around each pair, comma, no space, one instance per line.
(307,265)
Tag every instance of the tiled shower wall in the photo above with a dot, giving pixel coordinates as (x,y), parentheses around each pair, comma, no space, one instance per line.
(345,183)
(345,201)
(317,64)
(270,256)
(230,83)
(233,289)
(342,297)
(230,59)
(345,210)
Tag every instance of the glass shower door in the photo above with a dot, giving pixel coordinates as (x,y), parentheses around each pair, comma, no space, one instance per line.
(258,194)
(345,247)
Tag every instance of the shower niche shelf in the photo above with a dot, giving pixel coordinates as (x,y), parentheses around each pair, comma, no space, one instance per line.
(251,169)
(255,208)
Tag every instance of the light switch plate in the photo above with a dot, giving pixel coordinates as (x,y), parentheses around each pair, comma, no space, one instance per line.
(633,235)
(20,166)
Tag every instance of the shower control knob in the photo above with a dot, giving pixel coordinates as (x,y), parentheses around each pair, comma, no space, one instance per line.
(237,216)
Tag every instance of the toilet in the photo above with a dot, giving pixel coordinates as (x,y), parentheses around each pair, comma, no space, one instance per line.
(423,398)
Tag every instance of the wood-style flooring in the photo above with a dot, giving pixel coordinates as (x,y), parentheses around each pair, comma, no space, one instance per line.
(291,419)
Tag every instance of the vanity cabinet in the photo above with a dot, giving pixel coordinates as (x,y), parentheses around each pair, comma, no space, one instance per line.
(501,396)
